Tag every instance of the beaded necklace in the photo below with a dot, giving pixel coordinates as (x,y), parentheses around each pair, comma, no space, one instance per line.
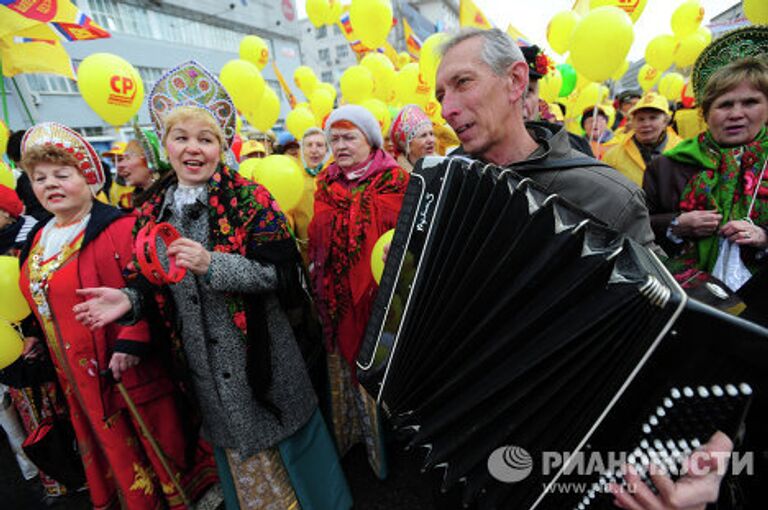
(40,271)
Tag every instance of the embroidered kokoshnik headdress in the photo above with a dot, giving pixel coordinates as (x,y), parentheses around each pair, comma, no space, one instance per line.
(191,84)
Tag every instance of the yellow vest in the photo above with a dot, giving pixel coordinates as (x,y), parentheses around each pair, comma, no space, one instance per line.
(626,158)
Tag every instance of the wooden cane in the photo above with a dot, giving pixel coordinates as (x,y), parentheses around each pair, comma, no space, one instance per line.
(156,447)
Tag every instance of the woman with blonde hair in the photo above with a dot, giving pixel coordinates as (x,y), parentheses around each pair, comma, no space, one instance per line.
(228,316)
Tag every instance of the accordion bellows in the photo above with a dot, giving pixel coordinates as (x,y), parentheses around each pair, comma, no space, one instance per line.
(509,320)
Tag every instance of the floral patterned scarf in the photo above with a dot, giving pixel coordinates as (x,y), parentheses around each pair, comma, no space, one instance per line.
(349,219)
(244,219)
(726,184)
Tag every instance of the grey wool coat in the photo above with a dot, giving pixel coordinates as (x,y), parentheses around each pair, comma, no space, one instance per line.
(214,348)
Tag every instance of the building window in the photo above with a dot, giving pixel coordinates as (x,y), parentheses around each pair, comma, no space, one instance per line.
(150,75)
(129,19)
(342,51)
(327,76)
(92,131)
(336,29)
(51,84)
(324,54)
(321,32)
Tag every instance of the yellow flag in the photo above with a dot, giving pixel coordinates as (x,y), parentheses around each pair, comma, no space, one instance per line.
(412,41)
(35,57)
(471,16)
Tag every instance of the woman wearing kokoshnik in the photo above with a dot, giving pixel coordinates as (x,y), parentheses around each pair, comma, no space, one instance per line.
(227,315)
(130,445)
(140,164)
(708,196)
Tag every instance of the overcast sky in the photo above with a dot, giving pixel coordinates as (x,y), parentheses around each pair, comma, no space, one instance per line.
(531,17)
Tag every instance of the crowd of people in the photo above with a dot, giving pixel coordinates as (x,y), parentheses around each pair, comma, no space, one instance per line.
(197,383)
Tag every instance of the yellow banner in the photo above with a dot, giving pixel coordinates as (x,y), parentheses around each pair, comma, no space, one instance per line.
(471,16)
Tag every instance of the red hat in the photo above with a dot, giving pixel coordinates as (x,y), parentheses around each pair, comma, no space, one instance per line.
(9,201)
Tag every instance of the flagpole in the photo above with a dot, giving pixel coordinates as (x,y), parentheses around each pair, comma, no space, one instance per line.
(23,102)
(2,91)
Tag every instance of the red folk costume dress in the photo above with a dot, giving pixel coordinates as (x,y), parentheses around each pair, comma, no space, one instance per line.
(350,216)
(120,464)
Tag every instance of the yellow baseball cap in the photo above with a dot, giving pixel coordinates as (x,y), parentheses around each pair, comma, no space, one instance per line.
(653,101)
(251,146)
(117,149)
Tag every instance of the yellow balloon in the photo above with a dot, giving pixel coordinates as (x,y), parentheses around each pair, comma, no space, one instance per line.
(7,178)
(687,18)
(592,94)
(244,83)
(11,345)
(377,254)
(621,71)
(403,59)
(254,50)
(281,175)
(660,52)
(601,42)
(647,77)
(634,8)
(379,110)
(434,111)
(299,120)
(371,20)
(383,74)
(706,33)
(321,102)
(111,86)
(671,86)
(356,84)
(756,11)
(410,88)
(317,12)
(304,78)
(267,111)
(334,11)
(14,307)
(429,59)
(550,85)
(689,48)
(238,124)
(560,30)
(330,88)
(4,135)
(248,167)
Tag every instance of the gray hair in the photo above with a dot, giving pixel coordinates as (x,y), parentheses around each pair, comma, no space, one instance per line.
(499,50)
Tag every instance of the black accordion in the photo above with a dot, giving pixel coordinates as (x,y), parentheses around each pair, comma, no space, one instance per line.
(529,351)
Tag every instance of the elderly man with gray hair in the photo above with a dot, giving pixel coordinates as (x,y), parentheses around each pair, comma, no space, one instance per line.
(481,83)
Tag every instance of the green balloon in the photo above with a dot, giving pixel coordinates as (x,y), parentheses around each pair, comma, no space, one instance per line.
(569,79)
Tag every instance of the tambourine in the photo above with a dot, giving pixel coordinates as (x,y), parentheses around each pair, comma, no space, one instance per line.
(146,253)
